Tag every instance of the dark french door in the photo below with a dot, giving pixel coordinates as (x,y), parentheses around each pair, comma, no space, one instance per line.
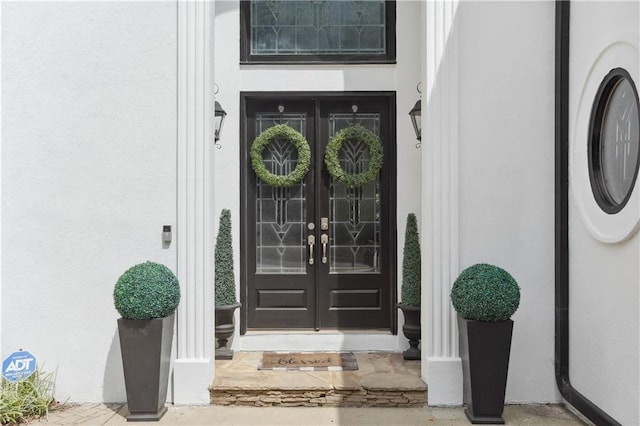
(318,255)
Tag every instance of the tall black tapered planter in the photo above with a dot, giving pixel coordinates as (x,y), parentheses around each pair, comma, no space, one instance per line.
(411,330)
(146,359)
(484,349)
(224,329)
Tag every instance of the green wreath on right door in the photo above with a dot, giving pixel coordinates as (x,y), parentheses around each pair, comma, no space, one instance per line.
(355,133)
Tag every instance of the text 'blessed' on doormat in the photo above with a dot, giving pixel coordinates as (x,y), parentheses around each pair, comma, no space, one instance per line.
(308,361)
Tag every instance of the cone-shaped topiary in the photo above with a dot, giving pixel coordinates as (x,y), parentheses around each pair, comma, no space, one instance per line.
(146,291)
(225,285)
(411,263)
(485,292)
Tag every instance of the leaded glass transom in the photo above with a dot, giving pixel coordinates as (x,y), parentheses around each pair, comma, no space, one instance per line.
(280,212)
(355,212)
(311,27)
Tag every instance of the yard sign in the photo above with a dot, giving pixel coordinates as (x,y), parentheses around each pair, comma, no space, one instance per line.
(18,366)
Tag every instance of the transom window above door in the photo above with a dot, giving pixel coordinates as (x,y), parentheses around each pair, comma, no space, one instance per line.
(304,31)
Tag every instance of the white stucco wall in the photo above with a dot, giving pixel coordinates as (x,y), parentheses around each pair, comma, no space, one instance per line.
(402,77)
(88,177)
(88,163)
(506,175)
(604,310)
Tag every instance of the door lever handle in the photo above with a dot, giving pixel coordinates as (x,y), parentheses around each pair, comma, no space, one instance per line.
(324,239)
(311,241)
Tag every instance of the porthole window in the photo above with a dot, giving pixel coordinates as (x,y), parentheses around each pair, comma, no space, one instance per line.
(614,140)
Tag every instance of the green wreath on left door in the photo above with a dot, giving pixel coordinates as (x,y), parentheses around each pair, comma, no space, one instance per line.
(281,131)
(354,133)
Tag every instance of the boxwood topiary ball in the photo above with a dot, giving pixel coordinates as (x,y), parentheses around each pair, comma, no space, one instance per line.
(485,292)
(145,291)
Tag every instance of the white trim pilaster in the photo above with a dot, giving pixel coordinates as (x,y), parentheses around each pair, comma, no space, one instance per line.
(193,369)
(442,369)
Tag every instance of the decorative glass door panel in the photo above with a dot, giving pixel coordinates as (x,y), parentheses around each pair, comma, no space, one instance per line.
(355,212)
(280,215)
(318,254)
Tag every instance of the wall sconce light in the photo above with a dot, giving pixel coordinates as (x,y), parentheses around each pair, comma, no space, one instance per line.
(416,118)
(219,114)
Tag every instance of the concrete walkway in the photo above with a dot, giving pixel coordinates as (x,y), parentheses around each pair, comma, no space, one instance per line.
(101,414)
(383,372)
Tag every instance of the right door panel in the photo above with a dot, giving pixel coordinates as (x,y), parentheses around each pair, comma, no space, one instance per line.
(354,286)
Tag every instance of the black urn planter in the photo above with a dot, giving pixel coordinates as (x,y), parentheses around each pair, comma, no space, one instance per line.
(224,329)
(411,330)
(146,360)
(484,348)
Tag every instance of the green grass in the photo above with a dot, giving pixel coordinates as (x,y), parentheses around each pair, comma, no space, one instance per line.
(27,398)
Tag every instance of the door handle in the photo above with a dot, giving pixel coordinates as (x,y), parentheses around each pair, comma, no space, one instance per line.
(324,239)
(311,241)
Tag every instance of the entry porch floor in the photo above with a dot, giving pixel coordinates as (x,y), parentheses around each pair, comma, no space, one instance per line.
(383,379)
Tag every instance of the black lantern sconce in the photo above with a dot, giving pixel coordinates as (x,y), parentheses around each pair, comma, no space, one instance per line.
(219,115)
(416,118)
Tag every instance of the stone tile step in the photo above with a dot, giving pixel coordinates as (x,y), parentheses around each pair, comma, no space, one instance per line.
(383,379)
(288,380)
(329,398)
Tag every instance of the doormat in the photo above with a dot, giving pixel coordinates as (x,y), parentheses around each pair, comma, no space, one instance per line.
(308,361)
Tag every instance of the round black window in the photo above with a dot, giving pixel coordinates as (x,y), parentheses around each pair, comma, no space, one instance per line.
(614,138)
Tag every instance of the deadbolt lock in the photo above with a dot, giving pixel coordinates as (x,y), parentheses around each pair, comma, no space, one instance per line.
(324,223)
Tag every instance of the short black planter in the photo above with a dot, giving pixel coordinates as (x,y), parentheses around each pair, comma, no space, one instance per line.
(224,329)
(484,349)
(411,330)
(146,359)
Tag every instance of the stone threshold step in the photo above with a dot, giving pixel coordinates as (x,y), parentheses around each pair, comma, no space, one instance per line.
(318,398)
(382,380)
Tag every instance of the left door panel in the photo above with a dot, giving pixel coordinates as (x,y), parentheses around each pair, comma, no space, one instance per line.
(281,291)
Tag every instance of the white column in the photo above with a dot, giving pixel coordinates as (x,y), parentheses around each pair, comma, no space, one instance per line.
(193,368)
(442,369)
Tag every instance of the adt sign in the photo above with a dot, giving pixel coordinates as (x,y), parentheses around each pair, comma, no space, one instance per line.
(18,366)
